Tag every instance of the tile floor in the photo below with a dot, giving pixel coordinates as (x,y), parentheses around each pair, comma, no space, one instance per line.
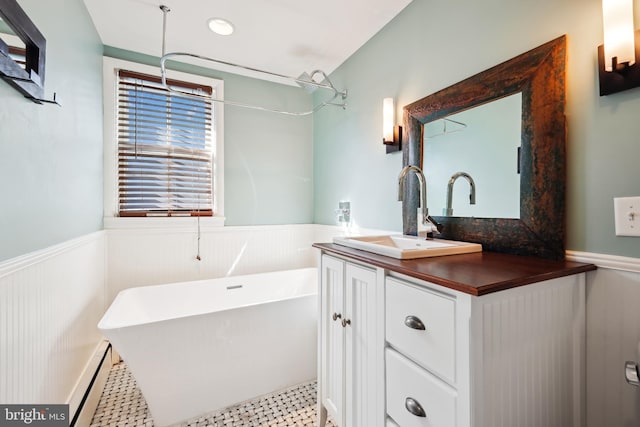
(122,404)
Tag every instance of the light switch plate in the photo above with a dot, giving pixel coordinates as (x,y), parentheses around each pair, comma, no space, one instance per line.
(627,216)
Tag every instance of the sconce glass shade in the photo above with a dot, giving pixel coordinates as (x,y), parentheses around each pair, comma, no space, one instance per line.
(388,113)
(391,134)
(617,19)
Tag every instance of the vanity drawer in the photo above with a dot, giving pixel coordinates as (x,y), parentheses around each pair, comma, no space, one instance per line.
(411,389)
(408,309)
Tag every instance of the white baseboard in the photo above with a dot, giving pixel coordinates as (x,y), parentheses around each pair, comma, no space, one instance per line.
(85,397)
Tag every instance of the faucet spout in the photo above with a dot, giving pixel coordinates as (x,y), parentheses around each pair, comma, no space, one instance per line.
(426,219)
(403,174)
(423,186)
(472,191)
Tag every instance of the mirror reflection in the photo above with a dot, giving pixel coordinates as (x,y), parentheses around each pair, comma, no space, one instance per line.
(472,156)
(16,47)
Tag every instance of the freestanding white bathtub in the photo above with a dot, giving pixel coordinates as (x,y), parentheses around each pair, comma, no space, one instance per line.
(195,347)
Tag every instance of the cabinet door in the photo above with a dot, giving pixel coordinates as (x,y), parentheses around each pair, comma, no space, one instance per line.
(364,343)
(332,337)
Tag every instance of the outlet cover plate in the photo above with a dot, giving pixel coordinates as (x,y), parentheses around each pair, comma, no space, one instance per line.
(627,216)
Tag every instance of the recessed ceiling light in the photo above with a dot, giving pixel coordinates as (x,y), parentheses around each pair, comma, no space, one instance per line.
(220,26)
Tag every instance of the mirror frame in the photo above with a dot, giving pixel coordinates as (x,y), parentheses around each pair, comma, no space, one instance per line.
(29,81)
(540,75)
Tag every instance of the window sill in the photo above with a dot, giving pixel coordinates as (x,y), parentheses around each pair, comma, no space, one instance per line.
(171,223)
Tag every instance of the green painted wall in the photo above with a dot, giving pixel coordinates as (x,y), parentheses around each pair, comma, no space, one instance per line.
(433,44)
(51,157)
(267,157)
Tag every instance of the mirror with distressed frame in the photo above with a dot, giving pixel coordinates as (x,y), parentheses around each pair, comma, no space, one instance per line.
(539,75)
(25,76)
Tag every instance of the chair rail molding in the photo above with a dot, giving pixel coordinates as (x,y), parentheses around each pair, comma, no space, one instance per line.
(612,262)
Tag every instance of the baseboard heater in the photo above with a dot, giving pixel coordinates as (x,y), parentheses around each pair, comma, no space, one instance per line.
(86,395)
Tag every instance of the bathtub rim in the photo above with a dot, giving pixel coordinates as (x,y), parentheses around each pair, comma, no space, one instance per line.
(103,324)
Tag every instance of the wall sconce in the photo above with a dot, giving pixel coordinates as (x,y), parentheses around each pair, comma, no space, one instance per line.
(391,134)
(618,67)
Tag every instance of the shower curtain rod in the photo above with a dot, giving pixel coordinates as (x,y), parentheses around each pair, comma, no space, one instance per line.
(324,84)
(304,80)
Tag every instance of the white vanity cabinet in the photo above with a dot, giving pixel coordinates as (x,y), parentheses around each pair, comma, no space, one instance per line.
(351,331)
(509,358)
(405,351)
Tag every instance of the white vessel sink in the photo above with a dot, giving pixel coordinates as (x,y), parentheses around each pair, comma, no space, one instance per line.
(407,247)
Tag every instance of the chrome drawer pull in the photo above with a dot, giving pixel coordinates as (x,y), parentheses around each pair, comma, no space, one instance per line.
(336,316)
(414,323)
(631,373)
(414,407)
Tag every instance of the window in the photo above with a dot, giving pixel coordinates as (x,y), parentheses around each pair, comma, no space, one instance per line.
(138,137)
(164,147)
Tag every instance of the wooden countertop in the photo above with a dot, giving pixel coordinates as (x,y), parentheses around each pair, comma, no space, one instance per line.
(477,273)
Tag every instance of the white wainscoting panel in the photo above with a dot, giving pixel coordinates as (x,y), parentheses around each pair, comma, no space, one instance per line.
(146,256)
(613,336)
(532,355)
(50,303)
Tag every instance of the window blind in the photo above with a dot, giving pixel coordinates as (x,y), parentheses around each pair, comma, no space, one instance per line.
(165,149)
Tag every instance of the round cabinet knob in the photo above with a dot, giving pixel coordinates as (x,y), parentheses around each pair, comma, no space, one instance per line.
(414,407)
(414,323)
(336,316)
(346,322)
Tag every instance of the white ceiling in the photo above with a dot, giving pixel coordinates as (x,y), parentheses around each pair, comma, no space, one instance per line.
(281,36)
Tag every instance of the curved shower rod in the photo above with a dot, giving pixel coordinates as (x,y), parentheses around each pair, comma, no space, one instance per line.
(305,81)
